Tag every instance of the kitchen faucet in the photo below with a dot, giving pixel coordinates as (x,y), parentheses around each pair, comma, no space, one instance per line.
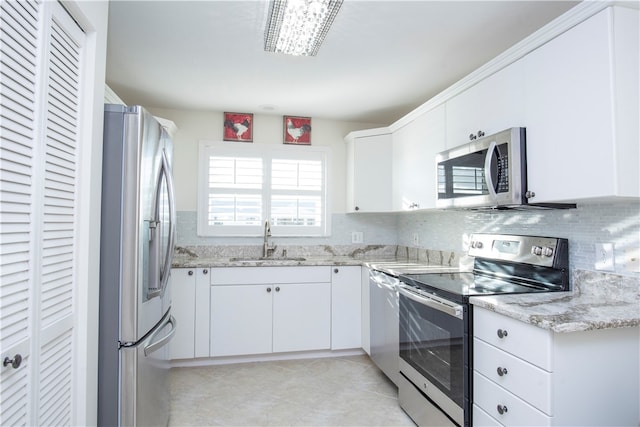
(267,249)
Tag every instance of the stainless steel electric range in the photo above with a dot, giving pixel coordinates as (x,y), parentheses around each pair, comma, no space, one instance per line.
(436,328)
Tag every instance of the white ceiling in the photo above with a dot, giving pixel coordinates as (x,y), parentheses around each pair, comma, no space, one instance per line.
(380,60)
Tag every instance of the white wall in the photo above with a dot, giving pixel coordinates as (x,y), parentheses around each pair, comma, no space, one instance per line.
(194,126)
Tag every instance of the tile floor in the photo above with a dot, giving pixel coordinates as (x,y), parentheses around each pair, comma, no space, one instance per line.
(340,391)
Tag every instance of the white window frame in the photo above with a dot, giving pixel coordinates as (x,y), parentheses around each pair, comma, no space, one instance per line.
(266,152)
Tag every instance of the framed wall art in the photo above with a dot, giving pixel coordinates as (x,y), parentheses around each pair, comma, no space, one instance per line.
(238,127)
(297,130)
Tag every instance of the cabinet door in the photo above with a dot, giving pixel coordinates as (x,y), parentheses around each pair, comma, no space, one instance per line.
(492,105)
(346,312)
(415,147)
(202,313)
(569,114)
(366,310)
(301,317)
(370,171)
(568,108)
(183,298)
(240,320)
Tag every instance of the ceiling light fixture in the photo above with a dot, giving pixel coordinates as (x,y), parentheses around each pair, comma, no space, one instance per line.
(298,27)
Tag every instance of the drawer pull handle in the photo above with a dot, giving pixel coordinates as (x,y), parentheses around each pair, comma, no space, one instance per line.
(502,371)
(190,273)
(502,333)
(502,409)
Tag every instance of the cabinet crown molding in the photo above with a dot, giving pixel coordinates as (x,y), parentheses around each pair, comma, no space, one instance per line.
(568,20)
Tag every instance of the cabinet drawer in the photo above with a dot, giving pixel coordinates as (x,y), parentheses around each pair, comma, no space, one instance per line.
(523,379)
(270,275)
(489,396)
(525,341)
(482,419)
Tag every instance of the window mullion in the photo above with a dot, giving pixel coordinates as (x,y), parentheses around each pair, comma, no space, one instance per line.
(266,188)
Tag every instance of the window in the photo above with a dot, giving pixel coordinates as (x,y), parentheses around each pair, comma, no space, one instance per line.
(240,186)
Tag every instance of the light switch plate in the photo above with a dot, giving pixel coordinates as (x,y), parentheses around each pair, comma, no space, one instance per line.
(357,237)
(604,257)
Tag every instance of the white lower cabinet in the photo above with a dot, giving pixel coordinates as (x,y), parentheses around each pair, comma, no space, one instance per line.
(258,310)
(190,307)
(302,317)
(346,317)
(524,375)
(366,310)
(241,320)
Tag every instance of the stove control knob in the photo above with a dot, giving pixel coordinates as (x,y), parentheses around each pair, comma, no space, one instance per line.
(536,250)
(547,251)
(478,245)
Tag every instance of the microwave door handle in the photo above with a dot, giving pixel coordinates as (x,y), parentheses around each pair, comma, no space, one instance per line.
(487,170)
(433,302)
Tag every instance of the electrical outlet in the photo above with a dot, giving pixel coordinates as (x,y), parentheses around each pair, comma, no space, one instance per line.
(632,260)
(604,257)
(357,237)
(416,239)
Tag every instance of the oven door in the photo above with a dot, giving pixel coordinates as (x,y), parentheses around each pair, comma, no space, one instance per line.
(434,353)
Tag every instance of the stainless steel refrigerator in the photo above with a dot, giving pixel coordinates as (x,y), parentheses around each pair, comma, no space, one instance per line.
(137,240)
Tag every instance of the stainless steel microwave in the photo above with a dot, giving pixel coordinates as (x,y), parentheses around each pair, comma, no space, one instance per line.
(488,172)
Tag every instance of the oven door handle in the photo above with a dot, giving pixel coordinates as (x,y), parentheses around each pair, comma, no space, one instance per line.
(433,301)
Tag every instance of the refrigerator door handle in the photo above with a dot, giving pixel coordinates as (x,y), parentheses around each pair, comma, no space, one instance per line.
(156,345)
(165,268)
(172,221)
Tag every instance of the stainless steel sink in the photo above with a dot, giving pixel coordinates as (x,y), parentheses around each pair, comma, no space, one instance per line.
(255,259)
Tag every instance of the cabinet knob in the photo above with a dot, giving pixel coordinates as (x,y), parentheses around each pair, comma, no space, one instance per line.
(502,333)
(335,270)
(480,134)
(471,137)
(502,409)
(190,273)
(15,362)
(205,271)
(530,194)
(357,208)
(502,371)
(277,288)
(268,289)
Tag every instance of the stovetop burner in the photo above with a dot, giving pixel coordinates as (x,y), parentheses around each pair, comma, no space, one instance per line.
(504,264)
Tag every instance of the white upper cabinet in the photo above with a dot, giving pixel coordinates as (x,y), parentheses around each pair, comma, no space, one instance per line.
(492,105)
(415,146)
(369,171)
(581,105)
(573,85)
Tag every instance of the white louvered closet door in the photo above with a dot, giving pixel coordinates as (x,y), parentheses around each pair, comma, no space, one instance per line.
(40,63)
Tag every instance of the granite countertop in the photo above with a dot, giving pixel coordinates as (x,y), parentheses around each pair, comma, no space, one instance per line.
(190,262)
(251,256)
(598,301)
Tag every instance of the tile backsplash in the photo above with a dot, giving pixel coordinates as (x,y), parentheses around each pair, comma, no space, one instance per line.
(448,231)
